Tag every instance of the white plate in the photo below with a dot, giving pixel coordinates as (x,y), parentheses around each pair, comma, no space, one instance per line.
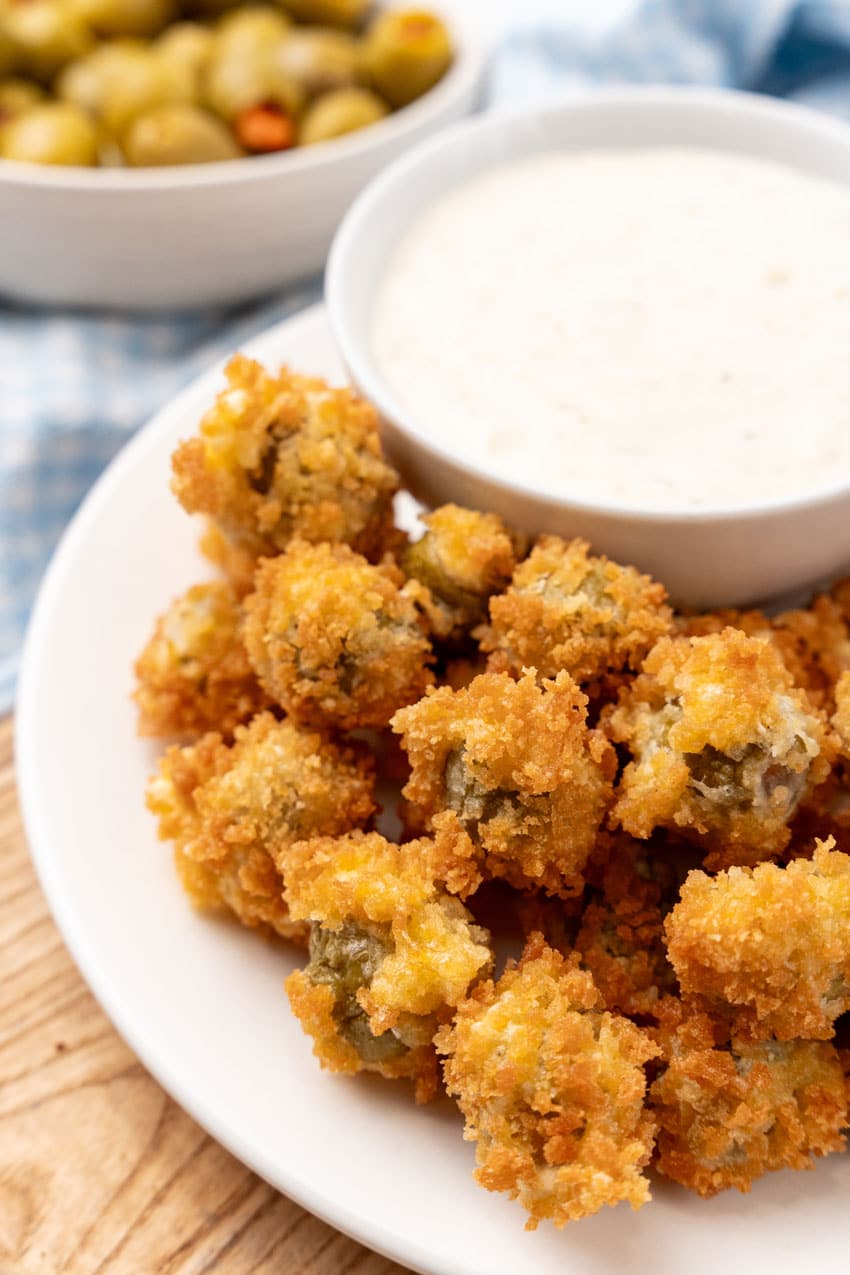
(201,1002)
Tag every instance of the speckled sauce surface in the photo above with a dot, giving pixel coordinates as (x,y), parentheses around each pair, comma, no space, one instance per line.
(654,328)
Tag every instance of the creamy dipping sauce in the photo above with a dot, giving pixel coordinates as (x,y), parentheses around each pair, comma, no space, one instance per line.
(659,329)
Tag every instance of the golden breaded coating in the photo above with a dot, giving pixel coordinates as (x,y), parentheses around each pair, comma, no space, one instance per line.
(280,456)
(767,946)
(568,610)
(814,642)
(231,810)
(557,919)
(826,811)
(463,558)
(236,564)
(724,747)
(552,1088)
(194,674)
(621,936)
(511,777)
(333,639)
(841,716)
(727,1116)
(390,954)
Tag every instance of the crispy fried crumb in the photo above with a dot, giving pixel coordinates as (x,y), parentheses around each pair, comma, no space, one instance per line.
(194,675)
(236,564)
(463,558)
(568,610)
(768,946)
(729,1115)
(621,936)
(335,641)
(231,810)
(510,776)
(391,953)
(841,716)
(552,1088)
(280,456)
(724,747)
(813,642)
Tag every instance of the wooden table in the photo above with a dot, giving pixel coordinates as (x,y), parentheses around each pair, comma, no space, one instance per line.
(100,1172)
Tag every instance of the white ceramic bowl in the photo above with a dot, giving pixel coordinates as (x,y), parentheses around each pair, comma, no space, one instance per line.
(706,559)
(165,238)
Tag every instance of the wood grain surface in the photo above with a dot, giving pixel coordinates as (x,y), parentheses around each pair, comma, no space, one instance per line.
(100,1172)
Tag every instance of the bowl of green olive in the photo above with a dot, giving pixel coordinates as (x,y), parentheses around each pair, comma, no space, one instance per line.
(166,154)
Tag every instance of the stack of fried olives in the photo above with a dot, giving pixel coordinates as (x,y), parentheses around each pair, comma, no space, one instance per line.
(156,82)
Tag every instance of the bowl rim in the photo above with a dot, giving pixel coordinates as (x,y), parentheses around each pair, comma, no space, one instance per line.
(466,70)
(355,346)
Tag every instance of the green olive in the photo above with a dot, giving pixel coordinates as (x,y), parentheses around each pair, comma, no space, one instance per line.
(54,133)
(320,60)
(187,46)
(333,13)
(406,52)
(233,83)
(250,29)
(17,96)
(178,135)
(83,82)
(45,35)
(134,81)
(125,17)
(342,111)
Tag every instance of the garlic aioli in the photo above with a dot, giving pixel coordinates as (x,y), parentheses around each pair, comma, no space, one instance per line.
(660,329)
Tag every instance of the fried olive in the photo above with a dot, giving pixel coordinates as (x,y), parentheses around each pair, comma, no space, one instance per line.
(283,456)
(567,608)
(723,747)
(346,960)
(18,96)
(407,51)
(320,60)
(236,81)
(552,1087)
(463,558)
(232,810)
(391,953)
(335,13)
(52,133)
(45,35)
(179,134)
(125,17)
(187,47)
(343,111)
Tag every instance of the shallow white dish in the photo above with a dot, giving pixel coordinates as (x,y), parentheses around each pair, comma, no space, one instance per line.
(202,1001)
(205,234)
(729,558)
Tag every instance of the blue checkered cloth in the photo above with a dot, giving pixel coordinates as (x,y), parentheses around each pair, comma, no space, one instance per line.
(74,387)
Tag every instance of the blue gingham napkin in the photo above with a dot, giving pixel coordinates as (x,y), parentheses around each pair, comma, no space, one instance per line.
(74,387)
